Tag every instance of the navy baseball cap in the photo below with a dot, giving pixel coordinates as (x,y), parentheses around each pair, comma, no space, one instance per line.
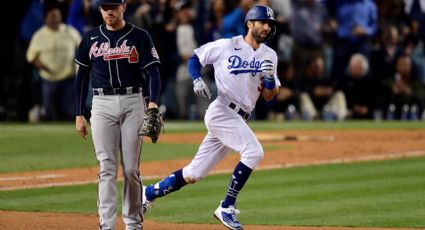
(110,2)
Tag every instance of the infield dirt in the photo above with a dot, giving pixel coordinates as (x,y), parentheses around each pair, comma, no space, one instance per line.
(347,146)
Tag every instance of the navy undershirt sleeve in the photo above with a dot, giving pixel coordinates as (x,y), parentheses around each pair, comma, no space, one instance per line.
(194,67)
(152,72)
(81,85)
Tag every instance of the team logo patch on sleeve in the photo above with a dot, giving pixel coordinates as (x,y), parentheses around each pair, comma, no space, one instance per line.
(154,53)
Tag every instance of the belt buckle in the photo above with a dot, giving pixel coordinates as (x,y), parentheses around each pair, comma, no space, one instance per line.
(98,91)
(246,116)
(115,91)
(129,90)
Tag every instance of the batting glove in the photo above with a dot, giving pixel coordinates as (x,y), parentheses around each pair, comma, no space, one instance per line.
(267,67)
(200,88)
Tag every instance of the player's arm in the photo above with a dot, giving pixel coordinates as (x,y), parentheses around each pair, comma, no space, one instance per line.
(152,120)
(81,85)
(199,86)
(269,94)
(270,86)
(155,85)
(194,67)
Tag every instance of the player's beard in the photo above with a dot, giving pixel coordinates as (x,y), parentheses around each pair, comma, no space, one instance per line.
(258,37)
(112,21)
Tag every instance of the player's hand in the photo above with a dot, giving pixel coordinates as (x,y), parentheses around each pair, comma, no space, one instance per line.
(201,89)
(81,126)
(267,67)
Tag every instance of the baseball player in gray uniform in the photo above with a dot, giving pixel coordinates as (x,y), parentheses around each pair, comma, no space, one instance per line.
(244,69)
(118,55)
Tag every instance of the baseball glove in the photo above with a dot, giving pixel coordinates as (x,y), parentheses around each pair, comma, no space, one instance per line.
(152,124)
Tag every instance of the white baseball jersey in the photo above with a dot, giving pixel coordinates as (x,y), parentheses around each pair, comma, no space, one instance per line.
(237,68)
(238,78)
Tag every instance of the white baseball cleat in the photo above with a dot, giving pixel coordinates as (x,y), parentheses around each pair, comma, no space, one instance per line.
(227,216)
(146,205)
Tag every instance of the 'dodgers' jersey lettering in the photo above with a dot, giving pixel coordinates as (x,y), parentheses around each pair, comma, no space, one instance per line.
(238,75)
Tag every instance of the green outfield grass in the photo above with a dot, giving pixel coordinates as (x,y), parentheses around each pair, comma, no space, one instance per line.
(57,146)
(26,147)
(370,194)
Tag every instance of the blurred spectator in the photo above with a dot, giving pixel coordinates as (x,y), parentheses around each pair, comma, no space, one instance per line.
(52,51)
(390,12)
(25,94)
(200,16)
(82,15)
(357,23)
(406,93)
(415,10)
(77,15)
(186,43)
(287,100)
(383,58)
(309,20)
(213,25)
(32,21)
(234,21)
(282,9)
(360,88)
(139,13)
(318,96)
(415,41)
(164,38)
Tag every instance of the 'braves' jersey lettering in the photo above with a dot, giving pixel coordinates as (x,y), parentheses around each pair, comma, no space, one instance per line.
(117,58)
(109,53)
(116,62)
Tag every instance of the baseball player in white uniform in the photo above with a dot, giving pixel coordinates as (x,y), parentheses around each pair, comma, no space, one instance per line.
(244,68)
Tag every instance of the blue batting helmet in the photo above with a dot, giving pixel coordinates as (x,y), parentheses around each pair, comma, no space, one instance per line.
(260,13)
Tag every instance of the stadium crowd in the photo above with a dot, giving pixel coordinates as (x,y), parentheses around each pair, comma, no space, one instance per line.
(338,59)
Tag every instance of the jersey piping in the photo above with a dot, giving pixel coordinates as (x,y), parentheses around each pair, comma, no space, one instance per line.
(109,62)
(150,63)
(80,63)
(116,61)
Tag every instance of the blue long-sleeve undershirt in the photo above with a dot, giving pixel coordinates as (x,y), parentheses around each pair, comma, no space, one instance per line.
(194,67)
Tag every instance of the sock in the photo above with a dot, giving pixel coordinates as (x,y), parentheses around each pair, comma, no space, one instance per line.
(238,180)
(172,183)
